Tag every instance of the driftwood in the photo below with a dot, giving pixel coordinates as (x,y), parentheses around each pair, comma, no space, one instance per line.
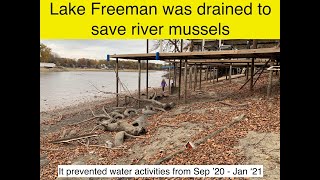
(125,129)
(169,125)
(155,108)
(153,100)
(160,109)
(64,140)
(165,106)
(83,121)
(130,112)
(100,115)
(121,136)
(116,115)
(104,146)
(140,121)
(124,126)
(202,140)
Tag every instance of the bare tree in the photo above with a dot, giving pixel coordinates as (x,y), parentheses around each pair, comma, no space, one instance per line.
(170,45)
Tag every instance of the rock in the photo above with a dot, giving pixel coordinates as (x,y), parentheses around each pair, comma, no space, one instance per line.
(63,134)
(44,162)
(149,108)
(72,133)
(109,144)
(43,156)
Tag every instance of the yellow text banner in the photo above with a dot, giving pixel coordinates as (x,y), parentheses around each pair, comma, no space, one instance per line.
(160,19)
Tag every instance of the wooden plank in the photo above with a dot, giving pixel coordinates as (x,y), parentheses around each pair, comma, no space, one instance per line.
(169,78)
(117,81)
(213,74)
(190,76)
(217,74)
(147,73)
(252,74)
(230,60)
(139,81)
(230,73)
(174,75)
(185,80)
(200,76)
(243,53)
(207,73)
(195,77)
(180,67)
(247,71)
(225,61)
(228,64)
(269,82)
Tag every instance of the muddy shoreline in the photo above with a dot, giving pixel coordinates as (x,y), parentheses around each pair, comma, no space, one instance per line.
(206,111)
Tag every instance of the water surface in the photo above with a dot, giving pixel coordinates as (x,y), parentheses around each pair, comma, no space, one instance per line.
(60,89)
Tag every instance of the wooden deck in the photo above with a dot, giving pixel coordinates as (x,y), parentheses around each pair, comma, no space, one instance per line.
(273,53)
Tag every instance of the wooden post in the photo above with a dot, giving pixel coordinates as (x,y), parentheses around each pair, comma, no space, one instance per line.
(226,73)
(270,81)
(190,76)
(139,81)
(174,74)
(195,77)
(185,81)
(169,78)
(217,74)
(213,74)
(147,73)
(207,73)
(117,80)
(230,72)
(252,72)
(269,84)
(180,66)
(247,71)
(200,76)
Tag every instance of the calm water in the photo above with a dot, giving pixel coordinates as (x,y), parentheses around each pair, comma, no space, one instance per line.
(60,89)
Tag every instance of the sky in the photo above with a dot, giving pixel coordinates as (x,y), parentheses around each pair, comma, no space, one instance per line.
(96,49)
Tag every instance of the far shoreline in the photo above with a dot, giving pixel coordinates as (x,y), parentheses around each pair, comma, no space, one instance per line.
(90,70)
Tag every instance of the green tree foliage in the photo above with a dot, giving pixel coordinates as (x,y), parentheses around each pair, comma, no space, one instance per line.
(46,54)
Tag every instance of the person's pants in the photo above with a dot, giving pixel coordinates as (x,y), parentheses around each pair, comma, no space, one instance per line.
(162,88)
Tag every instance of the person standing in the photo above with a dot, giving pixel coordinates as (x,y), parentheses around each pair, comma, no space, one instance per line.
(163,84)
